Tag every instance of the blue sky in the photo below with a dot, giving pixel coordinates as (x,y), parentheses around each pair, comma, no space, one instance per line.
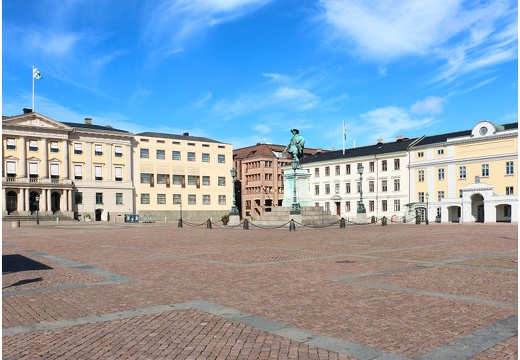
(247,71)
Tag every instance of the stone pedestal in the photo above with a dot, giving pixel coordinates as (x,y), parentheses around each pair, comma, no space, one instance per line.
(302,188)
(234,220)
(361,218)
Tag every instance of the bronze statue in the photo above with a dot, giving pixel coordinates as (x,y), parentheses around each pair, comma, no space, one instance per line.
(295,147)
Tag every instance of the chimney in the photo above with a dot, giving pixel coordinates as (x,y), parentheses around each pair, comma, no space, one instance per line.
(27,110)
(186,134)
(88,121)
(379,141)
(400,137)
(318,151)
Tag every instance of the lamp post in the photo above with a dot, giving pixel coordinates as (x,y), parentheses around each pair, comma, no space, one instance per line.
(37,198)
(427,204)
(295,207)
(361,207)
(180,220)
(234,209)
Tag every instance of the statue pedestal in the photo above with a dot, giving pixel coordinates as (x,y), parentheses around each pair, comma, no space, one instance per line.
(302,188)
(361,218)
(234,220)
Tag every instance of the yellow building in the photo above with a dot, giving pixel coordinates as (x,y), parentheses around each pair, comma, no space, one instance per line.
(182,173)
(466,176)
(65,169)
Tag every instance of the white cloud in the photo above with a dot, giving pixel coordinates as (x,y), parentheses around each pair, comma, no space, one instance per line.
(301,97)
(430,105)
(203,101)
(262,128)
(277,77)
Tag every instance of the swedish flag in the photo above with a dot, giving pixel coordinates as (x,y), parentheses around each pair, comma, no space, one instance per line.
(36,73)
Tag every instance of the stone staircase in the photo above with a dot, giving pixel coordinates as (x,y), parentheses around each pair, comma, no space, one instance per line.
(32,218)
(311,216)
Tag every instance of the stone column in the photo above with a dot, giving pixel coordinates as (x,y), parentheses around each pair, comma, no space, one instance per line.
(69,200)
(45,160)
(23,157)
(43,201)
(66,160)
(48,200)
(24,199)
(108,175)
(88,165)
(4,200)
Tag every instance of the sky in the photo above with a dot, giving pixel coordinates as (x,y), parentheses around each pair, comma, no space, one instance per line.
(247,71)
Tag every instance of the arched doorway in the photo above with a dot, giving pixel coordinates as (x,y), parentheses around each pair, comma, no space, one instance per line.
(477,207)
(55,202)
(33,205)
(98,214)
(11,202)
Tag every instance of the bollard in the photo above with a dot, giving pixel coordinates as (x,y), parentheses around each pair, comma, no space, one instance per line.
(417,220)
(342,223)
(209,224)
(246,225)
(179,224)
(373,220)
(15,224)
(292,226)
(383,221)
(58,220)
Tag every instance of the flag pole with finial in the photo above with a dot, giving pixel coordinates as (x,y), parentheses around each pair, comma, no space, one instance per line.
(35,75)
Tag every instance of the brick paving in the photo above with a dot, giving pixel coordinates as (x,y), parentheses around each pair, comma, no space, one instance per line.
(156,291)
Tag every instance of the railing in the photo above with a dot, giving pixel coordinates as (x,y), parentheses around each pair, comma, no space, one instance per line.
(34,180)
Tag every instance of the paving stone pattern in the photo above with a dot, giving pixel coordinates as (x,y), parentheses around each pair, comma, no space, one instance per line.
(156,291)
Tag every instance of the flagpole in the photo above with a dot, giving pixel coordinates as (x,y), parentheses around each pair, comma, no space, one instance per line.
(344,134)
(33,88)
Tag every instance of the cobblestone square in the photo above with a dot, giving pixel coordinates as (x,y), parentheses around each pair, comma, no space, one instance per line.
(155,291)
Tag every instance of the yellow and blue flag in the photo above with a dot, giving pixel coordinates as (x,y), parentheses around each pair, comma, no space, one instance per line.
(36,74)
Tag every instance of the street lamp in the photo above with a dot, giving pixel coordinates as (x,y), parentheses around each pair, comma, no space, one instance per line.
(37,198)
(295,207)
(427,202)
(361,207)
(180,220)
(234,209)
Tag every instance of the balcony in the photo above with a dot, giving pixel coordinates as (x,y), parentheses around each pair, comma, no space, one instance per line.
(34,180)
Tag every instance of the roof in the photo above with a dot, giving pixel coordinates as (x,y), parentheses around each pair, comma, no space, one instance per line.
(265,150)
(380,148)
(177,137)
(93,127)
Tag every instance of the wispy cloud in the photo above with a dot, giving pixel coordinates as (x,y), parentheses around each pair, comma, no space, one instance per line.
(203,101)
(430,105)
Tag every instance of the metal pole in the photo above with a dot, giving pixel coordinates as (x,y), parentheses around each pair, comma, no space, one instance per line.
(180,220)
(37,208)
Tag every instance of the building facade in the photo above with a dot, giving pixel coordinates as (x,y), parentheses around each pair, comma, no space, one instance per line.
(466,176)
(337,185)
(70,169)
(187,174)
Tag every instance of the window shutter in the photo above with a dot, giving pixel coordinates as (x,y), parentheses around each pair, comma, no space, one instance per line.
(11,142)
(78,146)
(54,145)
(118,150)
(10,167)
(33,143)
(99,171)
(55,169)
(33,168)
(78,170)
(119,172)
(98,148)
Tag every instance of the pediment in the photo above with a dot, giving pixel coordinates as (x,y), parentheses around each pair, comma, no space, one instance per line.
(54,160)
(34,120)
(11,157)
(33,159)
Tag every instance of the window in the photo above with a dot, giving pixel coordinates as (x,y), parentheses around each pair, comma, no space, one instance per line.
(347,188)
(462,172)
(98,149)
(205,157)
(337,170)
(507,211)
(421,196)
(205,180)
(145,178)
(460,194)
(347,169)
(371,166)
(177,199)
(316,189)
(78,197)
(439,212)
(144,153)
(221,158)
(384,165)
(440,195)
(10,168)
(176,142)
(397,205)
(397,185)
(78,172)
(178,180)
(327,206)
(99,198)
(509,190)
(192,179)
(222,200)
(371,205)
(347,206)
(119,198)
(55,171)
(327,170)
(162,179)
(327,188)
(440,174)
(316,172)
(206,200)
(384,205)
(145,198)
(421,175)
(221,181)
(485,170)
(161,199)
(33,170)
(118,151)
(191,156)
(160,141)
(160,154)
(440,152)
(510,168)
(384,185)
(98,172)
(54,147)
(10,144)
(336,189)
(205,145)
(118,173)
(33,145)
(371,186)
(420,154)
(78,148)
(397,164)
(191,144)
(176,155)
(192,199)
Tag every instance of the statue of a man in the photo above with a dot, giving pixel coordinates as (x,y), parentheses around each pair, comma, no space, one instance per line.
(295,147)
